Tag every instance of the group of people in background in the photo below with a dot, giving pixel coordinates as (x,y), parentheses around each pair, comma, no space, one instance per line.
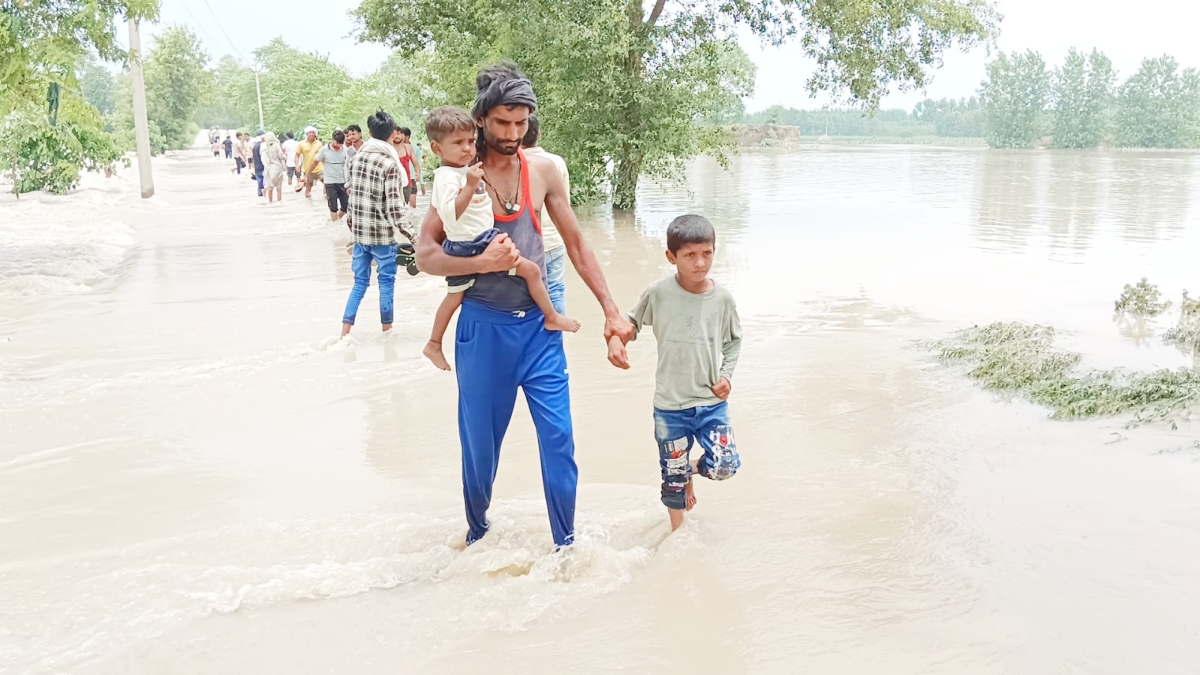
(270,158)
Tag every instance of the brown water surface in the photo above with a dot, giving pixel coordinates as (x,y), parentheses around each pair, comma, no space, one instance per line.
(197,477)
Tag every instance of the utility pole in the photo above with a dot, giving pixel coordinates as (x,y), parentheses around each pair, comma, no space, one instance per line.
(258,90)
(140,126)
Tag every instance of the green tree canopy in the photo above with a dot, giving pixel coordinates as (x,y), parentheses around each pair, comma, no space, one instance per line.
(302,88)
(41,41)
(97,84)
(962,118)
(177,83)
(1015,95)
(1083,97)
(1159,106)
(622,86)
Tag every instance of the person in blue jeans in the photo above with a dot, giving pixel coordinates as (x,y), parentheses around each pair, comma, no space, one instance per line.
(374,212)
(501,342)
(260,168)
(699,340)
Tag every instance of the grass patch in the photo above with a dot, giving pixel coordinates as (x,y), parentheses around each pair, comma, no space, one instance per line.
(1142,299)
(1021,360)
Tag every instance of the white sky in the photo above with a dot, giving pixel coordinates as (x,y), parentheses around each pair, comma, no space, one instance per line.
(1127,33)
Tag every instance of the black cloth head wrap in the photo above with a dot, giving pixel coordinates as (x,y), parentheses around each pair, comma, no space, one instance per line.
(509,92)
(513,92)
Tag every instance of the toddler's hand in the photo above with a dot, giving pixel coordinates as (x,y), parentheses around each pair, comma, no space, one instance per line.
(474,176)
(617,354)
(721,389)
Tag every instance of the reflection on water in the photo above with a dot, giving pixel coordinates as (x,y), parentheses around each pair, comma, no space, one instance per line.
(1066,196)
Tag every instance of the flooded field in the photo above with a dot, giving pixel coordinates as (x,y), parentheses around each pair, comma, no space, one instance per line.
(196,476)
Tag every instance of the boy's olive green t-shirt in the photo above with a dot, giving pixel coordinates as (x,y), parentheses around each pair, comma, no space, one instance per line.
(699,339)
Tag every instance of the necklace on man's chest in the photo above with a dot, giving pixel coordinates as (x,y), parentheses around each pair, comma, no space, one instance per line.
(511,204)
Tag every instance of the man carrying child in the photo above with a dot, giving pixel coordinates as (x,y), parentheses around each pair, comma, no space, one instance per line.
(501,341)
(462,203)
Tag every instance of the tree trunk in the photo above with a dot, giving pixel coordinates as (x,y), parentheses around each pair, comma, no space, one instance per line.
(629,160)
(628,168)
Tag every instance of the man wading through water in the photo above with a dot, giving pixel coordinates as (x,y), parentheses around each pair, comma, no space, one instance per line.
(501,342)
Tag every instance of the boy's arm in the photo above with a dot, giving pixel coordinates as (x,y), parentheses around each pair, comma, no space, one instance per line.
(731,349)
(558,206)
(500,256)
(463,200)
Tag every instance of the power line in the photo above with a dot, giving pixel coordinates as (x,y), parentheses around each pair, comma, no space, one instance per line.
(214,16)
(198,24)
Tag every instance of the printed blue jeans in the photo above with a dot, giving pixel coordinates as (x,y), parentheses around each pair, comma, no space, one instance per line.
(676,431)
(385,263)
(556,274)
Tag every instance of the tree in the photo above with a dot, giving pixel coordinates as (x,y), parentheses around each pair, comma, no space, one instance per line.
(41,41)
(952,118)
(231,82)
(41,156)
(177,83)
(1083,96)
(624,87)
(1014,96)
(97,84)
(1159,107)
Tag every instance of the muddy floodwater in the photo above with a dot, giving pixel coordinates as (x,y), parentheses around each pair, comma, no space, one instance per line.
(196,476)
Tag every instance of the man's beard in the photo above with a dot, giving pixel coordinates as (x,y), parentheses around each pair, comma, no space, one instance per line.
(495,145)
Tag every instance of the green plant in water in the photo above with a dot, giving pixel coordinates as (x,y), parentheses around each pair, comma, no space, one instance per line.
(1186,334)
(1021,359)
(1142,299)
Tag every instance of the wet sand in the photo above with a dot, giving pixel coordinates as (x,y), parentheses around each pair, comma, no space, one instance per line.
(197,477)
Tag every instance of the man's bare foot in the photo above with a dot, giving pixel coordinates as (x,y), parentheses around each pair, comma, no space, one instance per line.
(433,352)
(689,496)
(562,323)
(346,329)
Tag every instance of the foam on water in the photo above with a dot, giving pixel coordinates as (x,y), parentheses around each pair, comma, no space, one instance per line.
(108,600)
(61,244)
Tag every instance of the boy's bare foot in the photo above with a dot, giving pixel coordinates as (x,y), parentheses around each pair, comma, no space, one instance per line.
(433,352)
(563,323)
(689,496)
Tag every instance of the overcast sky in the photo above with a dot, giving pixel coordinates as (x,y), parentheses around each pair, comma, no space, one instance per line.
(1126,31)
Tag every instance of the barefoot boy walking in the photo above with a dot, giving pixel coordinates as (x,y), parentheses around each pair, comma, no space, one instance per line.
(699,339)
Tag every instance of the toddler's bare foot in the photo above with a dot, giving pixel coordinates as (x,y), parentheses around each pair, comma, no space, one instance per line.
(563,323)
(433,352)
(689,496)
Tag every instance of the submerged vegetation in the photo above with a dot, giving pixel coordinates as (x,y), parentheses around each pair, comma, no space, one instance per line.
(1021,360)
(1142,299)
(1186,334)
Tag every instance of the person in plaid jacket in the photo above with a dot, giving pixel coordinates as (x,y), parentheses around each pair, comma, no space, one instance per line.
(375,182)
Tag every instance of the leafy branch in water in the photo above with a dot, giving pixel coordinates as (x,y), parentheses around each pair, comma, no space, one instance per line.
(1186,335)
(1142,299)
(1021,359)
